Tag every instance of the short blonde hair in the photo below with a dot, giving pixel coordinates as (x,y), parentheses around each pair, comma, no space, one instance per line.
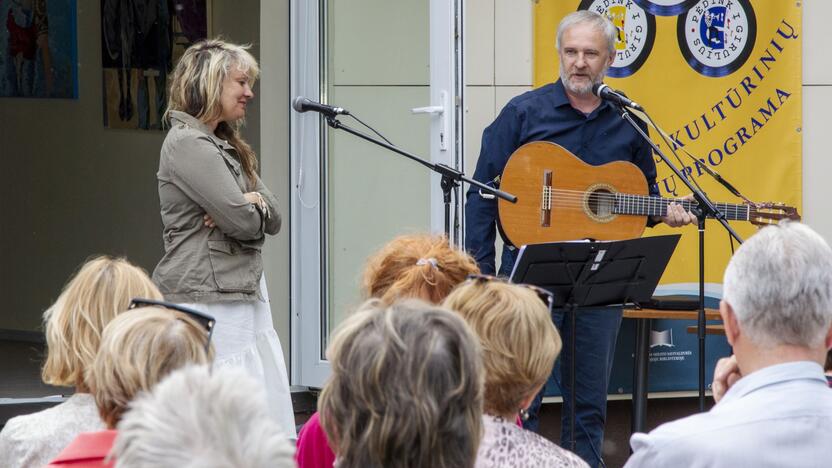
(100,290)
(138,349)
(423,266)
(405,389)
(519,341)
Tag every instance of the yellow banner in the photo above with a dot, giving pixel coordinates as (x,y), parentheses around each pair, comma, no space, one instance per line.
(723,79)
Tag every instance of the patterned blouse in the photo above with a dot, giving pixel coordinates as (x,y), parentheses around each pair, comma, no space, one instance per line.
(33,440)
(505,444)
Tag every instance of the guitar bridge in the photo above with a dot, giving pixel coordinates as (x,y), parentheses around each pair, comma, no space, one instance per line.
(546,202)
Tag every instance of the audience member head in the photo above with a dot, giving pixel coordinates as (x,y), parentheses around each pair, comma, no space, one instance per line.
(518,339)
(196,417)
(138,349)
(100,290)
(777,291)
(405,389)
(421,266)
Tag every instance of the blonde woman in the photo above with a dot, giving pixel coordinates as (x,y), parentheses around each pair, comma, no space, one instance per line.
(138,349)
(422,266)
(99,291)
(519,347)
(405,389)
(216,214)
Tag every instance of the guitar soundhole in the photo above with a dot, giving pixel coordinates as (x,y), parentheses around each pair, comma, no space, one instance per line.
(599,204)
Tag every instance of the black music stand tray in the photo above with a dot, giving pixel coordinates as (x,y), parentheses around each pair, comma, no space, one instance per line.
(583,274)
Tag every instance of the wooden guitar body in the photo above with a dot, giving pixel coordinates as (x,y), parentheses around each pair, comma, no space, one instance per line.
(578,213)
(561,198)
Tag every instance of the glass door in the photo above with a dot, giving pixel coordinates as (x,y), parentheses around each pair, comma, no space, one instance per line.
(396,66)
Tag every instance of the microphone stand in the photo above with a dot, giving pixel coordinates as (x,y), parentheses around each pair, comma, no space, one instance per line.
(451,178)
(705,208)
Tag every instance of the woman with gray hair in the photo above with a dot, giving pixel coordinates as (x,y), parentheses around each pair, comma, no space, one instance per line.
(199,418)
(405,390)
(217,212)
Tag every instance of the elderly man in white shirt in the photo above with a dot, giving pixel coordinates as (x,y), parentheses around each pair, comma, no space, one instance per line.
(773,408)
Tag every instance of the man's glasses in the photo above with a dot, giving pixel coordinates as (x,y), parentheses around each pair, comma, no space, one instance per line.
(204,320)
(546,296)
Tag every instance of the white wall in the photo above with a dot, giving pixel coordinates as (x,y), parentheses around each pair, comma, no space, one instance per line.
(817,102)
(498,66)
(498,63)
(274,153)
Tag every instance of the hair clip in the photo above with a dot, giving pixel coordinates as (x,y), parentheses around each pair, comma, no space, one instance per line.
(425,261)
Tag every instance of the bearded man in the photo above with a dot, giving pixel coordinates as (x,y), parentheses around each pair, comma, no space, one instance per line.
(567,113)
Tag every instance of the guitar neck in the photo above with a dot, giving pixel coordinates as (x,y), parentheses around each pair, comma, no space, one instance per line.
(657,206)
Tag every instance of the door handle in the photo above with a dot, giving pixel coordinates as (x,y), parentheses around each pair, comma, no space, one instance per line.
(439,110)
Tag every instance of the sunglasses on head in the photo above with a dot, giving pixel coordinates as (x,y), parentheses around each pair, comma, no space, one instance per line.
(544,295)
(204,320)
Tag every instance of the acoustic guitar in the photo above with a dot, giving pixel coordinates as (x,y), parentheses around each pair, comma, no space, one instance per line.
(560,198)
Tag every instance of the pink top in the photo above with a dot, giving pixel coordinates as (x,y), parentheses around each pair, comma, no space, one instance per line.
(313,449)
(88,450)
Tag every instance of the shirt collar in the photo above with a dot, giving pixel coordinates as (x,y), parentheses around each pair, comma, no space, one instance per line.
(191,121)
(559,94)
(88,445)
(798,370)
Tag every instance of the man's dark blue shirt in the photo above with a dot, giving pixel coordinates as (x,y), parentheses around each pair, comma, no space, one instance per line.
(544,114)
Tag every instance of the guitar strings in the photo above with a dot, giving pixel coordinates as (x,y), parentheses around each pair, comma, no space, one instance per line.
(563,198)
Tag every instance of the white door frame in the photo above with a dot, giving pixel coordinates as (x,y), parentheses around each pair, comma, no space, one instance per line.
(308,158)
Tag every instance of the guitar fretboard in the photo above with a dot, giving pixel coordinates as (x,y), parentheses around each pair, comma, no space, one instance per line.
(656,206)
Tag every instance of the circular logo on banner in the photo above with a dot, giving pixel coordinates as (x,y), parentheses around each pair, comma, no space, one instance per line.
(666,7)
(717,36)
(636,33)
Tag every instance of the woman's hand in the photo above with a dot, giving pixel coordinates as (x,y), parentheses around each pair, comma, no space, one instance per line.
(253,197)
(258,201)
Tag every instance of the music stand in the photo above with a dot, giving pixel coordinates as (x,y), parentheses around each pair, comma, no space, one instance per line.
(582,274)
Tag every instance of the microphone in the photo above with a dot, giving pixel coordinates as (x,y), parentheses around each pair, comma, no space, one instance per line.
(301,104)
(605,92)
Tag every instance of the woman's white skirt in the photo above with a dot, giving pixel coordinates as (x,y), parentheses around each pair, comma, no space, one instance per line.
(244,336)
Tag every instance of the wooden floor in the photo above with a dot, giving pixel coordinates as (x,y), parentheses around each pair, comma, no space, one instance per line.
(20,381)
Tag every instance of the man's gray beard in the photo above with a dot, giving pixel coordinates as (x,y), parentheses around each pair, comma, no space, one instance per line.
(584,90)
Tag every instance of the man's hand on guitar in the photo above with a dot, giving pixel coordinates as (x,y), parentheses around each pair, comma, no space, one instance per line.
(677,216)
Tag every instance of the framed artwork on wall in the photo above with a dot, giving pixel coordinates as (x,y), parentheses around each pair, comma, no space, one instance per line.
(141,41)
(38,49)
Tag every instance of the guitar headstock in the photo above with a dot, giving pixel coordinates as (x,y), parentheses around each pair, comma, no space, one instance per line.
(763,214)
